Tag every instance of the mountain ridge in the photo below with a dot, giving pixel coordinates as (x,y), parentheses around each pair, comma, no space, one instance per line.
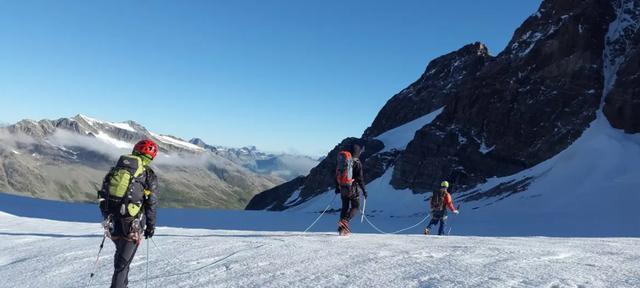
(31,153)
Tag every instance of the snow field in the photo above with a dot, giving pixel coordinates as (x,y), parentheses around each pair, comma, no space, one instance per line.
(44,253)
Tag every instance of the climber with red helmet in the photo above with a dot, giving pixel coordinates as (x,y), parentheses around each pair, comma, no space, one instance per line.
(128,202)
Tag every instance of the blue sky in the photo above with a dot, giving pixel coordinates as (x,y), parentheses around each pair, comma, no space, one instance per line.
(293,76)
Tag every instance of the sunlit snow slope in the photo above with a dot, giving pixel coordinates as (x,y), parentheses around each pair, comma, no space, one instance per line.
(589,189)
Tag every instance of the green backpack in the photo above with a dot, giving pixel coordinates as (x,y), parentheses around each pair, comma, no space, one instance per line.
(118,184)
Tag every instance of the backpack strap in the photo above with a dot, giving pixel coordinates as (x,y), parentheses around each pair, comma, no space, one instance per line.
(104,197)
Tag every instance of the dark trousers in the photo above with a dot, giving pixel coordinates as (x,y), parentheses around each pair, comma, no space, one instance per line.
(125,251)
(350,202)
(434,221)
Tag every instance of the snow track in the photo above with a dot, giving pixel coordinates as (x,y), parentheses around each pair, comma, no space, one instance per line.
(44,253)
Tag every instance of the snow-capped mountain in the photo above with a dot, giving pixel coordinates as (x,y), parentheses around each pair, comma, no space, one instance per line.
(37,158)
(528,137)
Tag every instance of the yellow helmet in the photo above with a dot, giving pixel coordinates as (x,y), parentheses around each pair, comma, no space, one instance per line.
(444,184)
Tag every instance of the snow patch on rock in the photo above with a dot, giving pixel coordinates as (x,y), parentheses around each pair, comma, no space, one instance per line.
(399,137)
(295,197)
(176,142)
(123,126)
(112,141)
(484,149)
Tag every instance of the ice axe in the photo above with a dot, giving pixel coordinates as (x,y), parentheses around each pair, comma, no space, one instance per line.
(364,206)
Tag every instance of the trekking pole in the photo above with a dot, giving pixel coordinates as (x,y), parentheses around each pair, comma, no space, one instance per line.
(146,281)
(95,265)
(364,206)
(451,223)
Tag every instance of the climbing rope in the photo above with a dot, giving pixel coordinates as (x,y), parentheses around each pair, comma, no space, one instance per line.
(168,259)
(146,280)
(395,232)
(321,214)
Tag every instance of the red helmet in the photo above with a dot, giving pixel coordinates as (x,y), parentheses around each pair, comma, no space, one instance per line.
(146,147)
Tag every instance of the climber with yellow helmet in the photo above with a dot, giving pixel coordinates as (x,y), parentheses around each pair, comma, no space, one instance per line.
(440,201)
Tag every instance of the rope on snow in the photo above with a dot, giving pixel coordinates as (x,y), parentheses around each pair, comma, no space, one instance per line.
(395,232)
(321,214)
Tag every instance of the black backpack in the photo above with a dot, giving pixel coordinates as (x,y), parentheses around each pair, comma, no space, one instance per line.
(437,200)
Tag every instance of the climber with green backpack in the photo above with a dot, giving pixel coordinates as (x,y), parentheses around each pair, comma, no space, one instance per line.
(128,202)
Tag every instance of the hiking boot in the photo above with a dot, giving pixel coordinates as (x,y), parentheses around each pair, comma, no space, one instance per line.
(343,225)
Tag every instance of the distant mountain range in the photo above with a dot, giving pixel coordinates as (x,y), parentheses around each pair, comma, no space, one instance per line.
(66,159)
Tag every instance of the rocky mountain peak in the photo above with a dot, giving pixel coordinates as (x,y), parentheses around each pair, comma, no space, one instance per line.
(198,142)
(534,100)
(136,126)
(432,89)
(32,128)
(479,48)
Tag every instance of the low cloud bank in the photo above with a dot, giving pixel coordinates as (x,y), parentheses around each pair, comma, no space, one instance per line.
(69,140)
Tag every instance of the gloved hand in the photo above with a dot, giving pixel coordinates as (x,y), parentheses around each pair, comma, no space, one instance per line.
(364,193)
(148,233)
(456,212)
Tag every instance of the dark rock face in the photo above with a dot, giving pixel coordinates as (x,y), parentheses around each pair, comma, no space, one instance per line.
(274,198)
(532,102)
(429,93)
(622,105)
(500,192)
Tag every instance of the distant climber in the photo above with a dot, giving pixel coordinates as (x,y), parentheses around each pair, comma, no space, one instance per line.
(440,201)
(128,204)
(349,183)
